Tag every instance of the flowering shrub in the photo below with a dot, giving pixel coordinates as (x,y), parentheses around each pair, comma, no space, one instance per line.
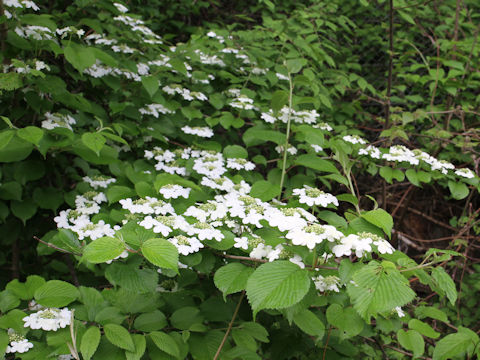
(208,204)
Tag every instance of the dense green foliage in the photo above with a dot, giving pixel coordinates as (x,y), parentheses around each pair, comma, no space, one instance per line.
(237,180)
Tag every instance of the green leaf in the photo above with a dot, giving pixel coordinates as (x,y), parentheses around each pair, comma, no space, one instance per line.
(380,218)
(256,330)
(80,57)
(103,249)
(94,141)
(26,290)
(140,346)
(264,190)
(151,321)
(279,100)
(90,341)
(165,343)
(378,289)
(295,65)
(10,81)
(11,190)
(31,134)
(346,320)
(389,174)
(117,192)
(257,135)
(445,283)
(454,346)
(24,209)
(132,278)
(309,323)
(48,198)
(411,340)
(162,253)
(56,293)
(8,301)
(119,336)
(17,149)
(277,285)
(314,162)
(235,152)
(150,84)
(423,328)
(458,189)
(5,137)
(4,341)
(431,312)
(232,278)
(186,317)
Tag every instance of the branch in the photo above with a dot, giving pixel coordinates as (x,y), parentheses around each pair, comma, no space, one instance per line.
(56,247)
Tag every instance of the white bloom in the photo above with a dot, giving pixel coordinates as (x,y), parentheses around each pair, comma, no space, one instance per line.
(354,139)
(241,242)
(399,311)
(204,231)
(297,260)
(19,346)
(384,247)
(401,153)
(291,149)
(328,283)
(171,191)
(48,319)
(316,148)
(311,235)
(98,181)
(239,164)
(186,245)
(370,150)
(260,251)
(313,196)
(466,173)
(282,77)
(199,131)
(121,7)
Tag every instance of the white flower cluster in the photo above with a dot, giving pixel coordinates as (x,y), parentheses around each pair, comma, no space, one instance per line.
(35,32)
(50,319)
(198,130)
(209,59)
(155,110)
(299,117)
(292,150)
(185,93)
(354,139)
(26,4)
(362,243)
(327,283)
(70,30)
(99,181)
(58,120)
(240,164)
(173,191)
(17,343)
(243,102)
(313,196)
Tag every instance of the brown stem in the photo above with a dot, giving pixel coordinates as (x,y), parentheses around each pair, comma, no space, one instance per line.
(390,66)
(71,268)
(56,247)
(229,327)
(326,344)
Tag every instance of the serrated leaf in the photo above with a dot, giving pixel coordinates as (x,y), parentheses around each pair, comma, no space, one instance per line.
(31,134)
(279,100)
(117,192)
(256,330)
(232,278)
(152,321)
(411,340)
(56,293)
(80,57)
(377,289)
(235,152)
(264,190)
(103,249)
(345,319)
(423,328)
(132,278)
(140,347)
(458,189)
(454,345)
(94,141)
(165,343)
(309,323)
(316,163)
(431,312)
(119,336)
(380,218)
(445,283)
(277,285)
(162,253)
(150,84)
(89,342)
(26,290)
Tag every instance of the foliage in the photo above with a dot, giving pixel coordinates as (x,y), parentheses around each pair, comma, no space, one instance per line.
(182,186)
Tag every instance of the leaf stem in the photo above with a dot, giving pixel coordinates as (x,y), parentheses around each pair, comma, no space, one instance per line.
(229,326)
(287,135)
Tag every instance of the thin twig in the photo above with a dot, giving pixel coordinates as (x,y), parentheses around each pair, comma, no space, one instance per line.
(326,343)
(246,258)
(229,326)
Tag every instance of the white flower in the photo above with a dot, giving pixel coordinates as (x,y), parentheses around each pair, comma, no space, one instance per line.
(328,283)
(98,181)
(121,7)
(282,77)
(297,260)
(311,235)
(316,148)
(239,164)
(171,191)
(48,319)
(94,231)
(313,196)
(466,173)
(221,183)
(19,346)
(199,131)
(186,245)
(204,231)
(401,153)
(285,218)
(241,243)
(384,247)
(354,139)
(260,251)
(360,243)
(291,149)
(370,150)
(399,311)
